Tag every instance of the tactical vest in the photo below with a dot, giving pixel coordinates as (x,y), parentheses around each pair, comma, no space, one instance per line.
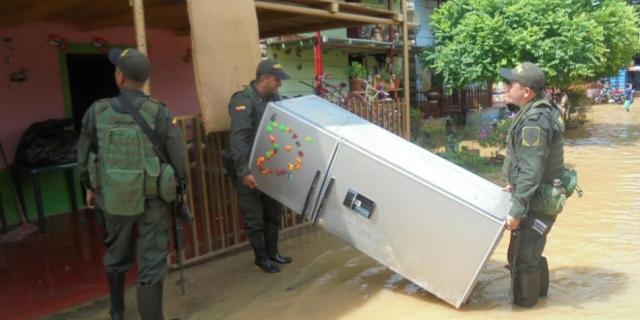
(128,167)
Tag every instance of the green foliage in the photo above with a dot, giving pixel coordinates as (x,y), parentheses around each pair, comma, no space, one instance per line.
(358,71)
(572,40)
(466,159)
(576,106)
(417,122)
(434,133)
(497,138)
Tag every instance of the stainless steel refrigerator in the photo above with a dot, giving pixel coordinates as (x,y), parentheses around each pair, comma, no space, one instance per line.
(420,215)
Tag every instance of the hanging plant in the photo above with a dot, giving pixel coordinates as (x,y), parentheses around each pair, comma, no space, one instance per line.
(101,44)
(58,42)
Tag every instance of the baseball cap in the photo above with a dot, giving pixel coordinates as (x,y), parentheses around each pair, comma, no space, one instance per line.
(527,73)
(131,62)
(270,66)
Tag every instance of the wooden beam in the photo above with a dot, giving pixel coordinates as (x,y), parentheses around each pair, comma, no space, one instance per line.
(36,11)
(405,65)
(361,18)
(333,7)
(283,23)
(153,15)
(141,33)
(303,28)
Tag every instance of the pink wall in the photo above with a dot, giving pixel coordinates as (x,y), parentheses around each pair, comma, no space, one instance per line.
(41,97)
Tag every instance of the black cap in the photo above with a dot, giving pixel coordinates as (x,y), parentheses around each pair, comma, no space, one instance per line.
(270,66)
(131,62)
(527,73)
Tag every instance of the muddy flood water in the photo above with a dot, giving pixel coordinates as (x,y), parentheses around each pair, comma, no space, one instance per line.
(593,252)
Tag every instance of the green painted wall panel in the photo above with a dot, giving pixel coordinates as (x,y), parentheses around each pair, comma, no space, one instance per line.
(333,33)
(396,5)
(335,61)
(55,196)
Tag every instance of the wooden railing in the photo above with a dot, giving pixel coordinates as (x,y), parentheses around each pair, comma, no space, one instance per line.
(218,224)
(438,103)
(388,115)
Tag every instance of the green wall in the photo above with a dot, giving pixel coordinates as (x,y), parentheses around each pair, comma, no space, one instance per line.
(335,62)
(396,5)
(55,196)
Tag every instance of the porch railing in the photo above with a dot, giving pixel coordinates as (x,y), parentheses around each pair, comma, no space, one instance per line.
(218,225)
(438,103)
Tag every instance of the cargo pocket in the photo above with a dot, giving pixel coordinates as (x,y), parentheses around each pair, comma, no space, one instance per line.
(168,184)
(538,201)
(152,171)
(122,192)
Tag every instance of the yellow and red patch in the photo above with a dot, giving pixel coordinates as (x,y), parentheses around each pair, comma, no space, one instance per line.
(241,108)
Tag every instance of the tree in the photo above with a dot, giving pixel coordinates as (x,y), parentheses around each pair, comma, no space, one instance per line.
(571,40)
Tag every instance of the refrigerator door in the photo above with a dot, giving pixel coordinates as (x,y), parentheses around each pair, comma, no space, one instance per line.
(447,176)
(290,156)
(433,237)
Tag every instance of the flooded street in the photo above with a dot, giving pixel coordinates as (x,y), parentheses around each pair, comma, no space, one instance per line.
(593,253)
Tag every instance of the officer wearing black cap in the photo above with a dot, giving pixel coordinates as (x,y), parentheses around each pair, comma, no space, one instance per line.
(262,214)
(535,158)
(126,180)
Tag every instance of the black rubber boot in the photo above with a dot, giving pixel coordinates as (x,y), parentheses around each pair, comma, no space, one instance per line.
(271,237)
(116,294)
(150,301)
(544,277)
(527,289)
(260,250)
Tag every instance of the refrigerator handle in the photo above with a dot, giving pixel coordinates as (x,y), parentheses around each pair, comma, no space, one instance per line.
(323,200)
(312,188)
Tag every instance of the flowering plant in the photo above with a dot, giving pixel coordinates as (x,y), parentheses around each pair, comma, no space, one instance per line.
(496,138)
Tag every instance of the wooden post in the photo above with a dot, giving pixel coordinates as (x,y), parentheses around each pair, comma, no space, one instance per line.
(141,34)
(405,64)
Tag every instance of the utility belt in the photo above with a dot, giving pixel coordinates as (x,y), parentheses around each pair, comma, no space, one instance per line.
(551,196)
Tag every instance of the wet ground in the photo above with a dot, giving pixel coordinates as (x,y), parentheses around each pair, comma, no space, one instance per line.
(593,253)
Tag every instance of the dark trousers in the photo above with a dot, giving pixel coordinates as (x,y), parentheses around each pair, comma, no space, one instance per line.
(262,220)
(260,211)
(152,242)
(532,245)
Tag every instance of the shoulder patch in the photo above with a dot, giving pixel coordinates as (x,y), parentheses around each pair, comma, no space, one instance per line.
(531,136)
(241,108)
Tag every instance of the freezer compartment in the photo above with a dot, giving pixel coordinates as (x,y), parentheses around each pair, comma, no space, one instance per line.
(433,238)
(290,157)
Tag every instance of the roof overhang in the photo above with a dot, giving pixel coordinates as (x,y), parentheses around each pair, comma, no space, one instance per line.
(297,16)
(282,17)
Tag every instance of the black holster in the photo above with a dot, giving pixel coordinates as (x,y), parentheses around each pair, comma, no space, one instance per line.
(229,165)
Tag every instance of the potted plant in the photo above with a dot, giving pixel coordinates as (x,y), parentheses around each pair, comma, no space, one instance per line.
(357,73)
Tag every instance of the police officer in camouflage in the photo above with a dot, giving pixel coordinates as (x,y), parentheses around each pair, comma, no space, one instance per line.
(129,184)
(534,159)
(262,214)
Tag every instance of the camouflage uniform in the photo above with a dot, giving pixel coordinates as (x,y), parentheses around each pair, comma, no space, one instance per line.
(262,214)
(152,223)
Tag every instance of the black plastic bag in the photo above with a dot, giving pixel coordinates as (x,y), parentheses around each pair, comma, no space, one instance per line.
(49,142)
